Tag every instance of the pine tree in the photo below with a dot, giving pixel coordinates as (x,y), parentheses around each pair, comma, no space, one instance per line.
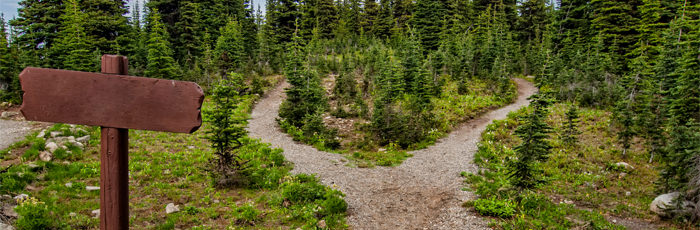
(305,96)
(230,49)
(534,147)
(385,21)
(428,20)
(412,57)
(160,61)
(38,24)
(190,33)
(73,47)
(371,15)
(570,135)
(9,87)
(105,21)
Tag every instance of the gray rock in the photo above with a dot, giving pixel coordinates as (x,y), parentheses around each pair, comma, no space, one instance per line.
(4,226)
(10,211)
(664,205)
(624,165)
(321,224)
(32,165)
(172,208)
(622,175)
(41,134)
(72,214)
(628,193)
(92,188)
(45,156)
(78,144)
(83,139)
(96,213)
(69,185)
(51,146)
(55,133)
(8,114)
(21,196)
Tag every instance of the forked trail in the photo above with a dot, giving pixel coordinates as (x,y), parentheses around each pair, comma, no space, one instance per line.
(422,193)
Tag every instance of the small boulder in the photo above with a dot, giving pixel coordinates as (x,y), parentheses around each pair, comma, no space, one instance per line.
(21,196)
(41,134)
(51,146)
(628,193)
(92,188)
(4,226)
(664,205)
(45,156)
(72,214)
(172,208)
(8,114)
(622,175)
(9,211)
(321,224)
(55,133)
(96,213)
(83,139)
(69,185)
(624,165)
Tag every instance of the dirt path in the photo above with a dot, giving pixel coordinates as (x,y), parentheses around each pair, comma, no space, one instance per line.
(423,193)
(12,131)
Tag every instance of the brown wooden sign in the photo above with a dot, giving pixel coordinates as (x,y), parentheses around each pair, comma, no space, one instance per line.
(115,101)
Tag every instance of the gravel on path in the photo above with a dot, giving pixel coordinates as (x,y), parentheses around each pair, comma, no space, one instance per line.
(12,131)
(422,193)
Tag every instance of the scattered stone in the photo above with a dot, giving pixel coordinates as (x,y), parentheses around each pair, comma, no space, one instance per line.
(21,196)
(32,165)
(382,150)
(622,175)
(69,185)
(172,208)
(664,205)
(45,156)
(216,201)
(51,146)
(628,193)
(92,188)
(321,224)
(72,214)
(55,133)
(30,188)
(4,226)
(41,134)
(8,114)
(190,147)
(78,144)
(96,213)
(83,139)
(624,165)
(9,211)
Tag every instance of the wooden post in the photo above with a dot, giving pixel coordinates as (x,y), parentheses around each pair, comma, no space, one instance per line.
(114,159)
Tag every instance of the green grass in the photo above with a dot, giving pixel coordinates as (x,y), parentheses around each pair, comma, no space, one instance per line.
(173,168)
(581,186)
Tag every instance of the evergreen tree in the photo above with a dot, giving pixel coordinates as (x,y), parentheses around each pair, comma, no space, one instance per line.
(570,135)
(534,147)
(73,49)
(38,23)
(305,97)
(9,82)
(105,22)
(412,64)
(230,49)
(381,27)
(160,61)
(428,20)
(190,33)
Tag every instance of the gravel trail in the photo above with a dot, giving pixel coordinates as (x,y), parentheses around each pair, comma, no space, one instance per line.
(422,193)
(12,131)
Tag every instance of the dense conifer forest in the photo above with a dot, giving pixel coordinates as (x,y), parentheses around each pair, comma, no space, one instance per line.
(376,80)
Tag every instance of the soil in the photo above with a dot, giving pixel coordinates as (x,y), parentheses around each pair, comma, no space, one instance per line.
(422,193)
(12,129)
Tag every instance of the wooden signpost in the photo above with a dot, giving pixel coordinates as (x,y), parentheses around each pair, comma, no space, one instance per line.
(117,103)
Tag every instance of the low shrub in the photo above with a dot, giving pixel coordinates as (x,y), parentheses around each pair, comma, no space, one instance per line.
(33,215)
(246,214)
(495,207)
